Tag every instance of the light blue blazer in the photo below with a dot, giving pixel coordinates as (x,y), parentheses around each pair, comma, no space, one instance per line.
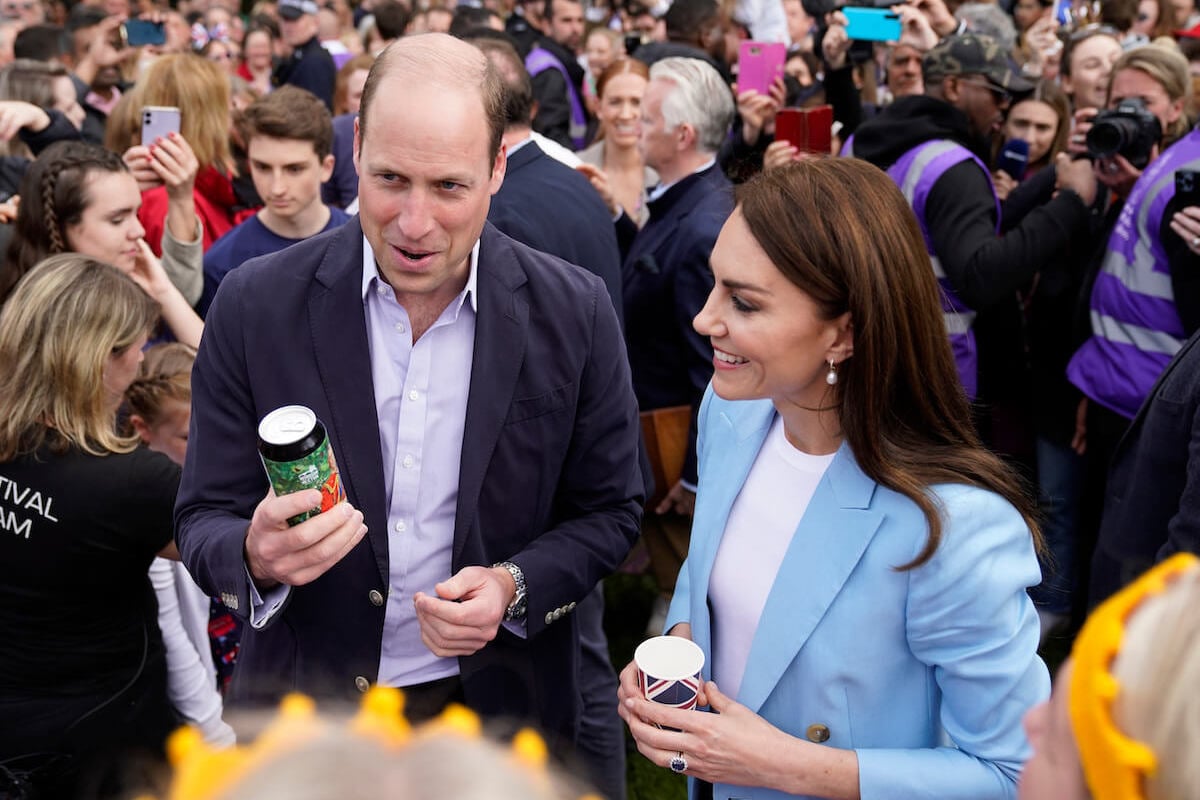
(925,673)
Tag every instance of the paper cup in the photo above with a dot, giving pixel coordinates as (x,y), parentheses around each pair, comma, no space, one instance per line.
(669,670)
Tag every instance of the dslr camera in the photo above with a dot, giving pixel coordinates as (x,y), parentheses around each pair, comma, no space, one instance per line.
(1128,130)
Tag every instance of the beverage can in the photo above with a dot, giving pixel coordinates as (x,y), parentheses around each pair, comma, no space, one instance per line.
(296,454)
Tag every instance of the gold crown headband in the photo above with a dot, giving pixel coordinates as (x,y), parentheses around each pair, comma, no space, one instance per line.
(1114,764)
(203,772)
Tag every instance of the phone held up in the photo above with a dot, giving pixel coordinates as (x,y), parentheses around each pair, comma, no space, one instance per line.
(1187,187)
(759,65)
(157,122)
(872,24)
(140,32)
(809,130)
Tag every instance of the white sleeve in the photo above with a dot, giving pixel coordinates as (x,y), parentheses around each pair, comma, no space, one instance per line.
(190,687)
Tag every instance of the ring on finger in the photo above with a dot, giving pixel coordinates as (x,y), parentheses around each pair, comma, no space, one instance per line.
(678,763)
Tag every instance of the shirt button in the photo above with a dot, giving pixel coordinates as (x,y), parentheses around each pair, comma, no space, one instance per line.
(408,462)
(400,327)
(376,597)
(361,683)
(413,395)
(401,527)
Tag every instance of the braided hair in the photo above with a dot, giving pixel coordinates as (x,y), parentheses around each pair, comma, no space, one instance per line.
(165,374)
(53,198)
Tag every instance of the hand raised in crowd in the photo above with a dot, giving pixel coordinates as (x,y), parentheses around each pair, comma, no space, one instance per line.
(293,556)
(172,160)
(940,19)
(1118,174)
(1004,183)
(758,111)
(467,611)
(102,49)
(16,114)
(137,159)
(1044,43)
(149,274)
(1075,175)
(1186,224)
(177,313)
(599,181)
(779,153)
(1081,124)
(836,43)
(915,30)
(8,209)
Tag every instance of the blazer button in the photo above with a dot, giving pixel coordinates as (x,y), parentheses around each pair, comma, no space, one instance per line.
(361,683)
(817,733)
(375,597)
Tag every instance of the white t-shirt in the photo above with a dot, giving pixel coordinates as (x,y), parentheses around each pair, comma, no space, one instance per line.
(761,524)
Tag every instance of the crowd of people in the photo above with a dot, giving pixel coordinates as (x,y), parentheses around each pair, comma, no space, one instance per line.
(884,407)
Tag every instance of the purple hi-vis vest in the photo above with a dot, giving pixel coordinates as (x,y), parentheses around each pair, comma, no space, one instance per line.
(1135,326)
(915,173)
(540,60)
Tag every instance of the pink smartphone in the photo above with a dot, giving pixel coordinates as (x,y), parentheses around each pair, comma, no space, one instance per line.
(759,64)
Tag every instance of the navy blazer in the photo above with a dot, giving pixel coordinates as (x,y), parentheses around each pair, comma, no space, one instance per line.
(551,207)
(548,479)
(665,280)
(342,186)
(1152,509)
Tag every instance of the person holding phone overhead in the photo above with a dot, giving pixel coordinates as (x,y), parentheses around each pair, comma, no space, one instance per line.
(859,561)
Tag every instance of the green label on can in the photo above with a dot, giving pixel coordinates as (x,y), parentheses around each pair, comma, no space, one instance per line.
(317,470)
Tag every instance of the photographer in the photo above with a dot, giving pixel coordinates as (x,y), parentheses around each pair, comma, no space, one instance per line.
(1145,301)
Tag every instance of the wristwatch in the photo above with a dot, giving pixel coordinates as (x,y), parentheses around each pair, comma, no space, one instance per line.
(516,609)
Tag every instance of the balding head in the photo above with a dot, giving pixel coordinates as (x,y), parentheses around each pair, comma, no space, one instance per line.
(443,61)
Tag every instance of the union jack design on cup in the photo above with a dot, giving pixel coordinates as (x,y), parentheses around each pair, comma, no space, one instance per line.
(680,693)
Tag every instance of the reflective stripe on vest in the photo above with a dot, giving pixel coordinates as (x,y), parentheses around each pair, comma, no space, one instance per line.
(1136,328)
(539,61)
(915,173)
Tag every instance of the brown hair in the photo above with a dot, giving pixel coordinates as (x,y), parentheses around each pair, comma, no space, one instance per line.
(621,66)
(165,374)
(289,112)
(362,61)
(1049,93)
(902,409)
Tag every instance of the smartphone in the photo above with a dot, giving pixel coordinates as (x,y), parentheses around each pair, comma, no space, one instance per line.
(1187,187)
(158,121)
(791,126)
(759,64)
(820,130)
(139,32)
(872,24)
(1014,158)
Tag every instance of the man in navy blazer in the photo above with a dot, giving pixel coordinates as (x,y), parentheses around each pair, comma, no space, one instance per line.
(666,277)
(547,495)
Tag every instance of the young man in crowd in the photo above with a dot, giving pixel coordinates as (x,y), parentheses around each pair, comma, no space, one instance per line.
(289,136)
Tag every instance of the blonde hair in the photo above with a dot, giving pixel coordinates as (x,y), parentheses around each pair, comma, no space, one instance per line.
(1163,63)
(165,375)
(59,328)
(1158,670)
(200,90)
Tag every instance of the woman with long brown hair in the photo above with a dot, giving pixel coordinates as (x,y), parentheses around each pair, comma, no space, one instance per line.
(859,561)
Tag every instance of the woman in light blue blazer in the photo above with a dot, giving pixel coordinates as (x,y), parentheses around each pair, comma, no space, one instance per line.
(859,562)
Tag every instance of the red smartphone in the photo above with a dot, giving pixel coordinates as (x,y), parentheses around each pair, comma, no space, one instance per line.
(820,130)
(791,126)
(759,64)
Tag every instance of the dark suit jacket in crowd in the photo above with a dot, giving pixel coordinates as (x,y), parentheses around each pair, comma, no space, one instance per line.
(665,281)
(551,207)
(549,476)
(342,186)
(1152,510)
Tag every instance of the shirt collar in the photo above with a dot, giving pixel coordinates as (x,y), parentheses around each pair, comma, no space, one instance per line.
(661,189)
(509,152)
(372,280)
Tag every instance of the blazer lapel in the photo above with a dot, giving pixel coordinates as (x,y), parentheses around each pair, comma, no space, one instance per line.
(500,332)
(831,538)
(339,337)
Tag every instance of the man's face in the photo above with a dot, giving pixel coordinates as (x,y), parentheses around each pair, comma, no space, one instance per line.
(425,184)
(288,175)
(566,27)
(904,71)
(296,32)
(657,142)
(983,103)
(28,12)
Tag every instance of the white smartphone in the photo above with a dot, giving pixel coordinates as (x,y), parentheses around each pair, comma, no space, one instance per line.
(158,121)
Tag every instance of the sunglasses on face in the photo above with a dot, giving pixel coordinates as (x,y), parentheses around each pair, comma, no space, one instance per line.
(1002,95)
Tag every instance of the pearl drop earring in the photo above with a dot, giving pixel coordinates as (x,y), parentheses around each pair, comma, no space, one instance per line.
(831,377)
